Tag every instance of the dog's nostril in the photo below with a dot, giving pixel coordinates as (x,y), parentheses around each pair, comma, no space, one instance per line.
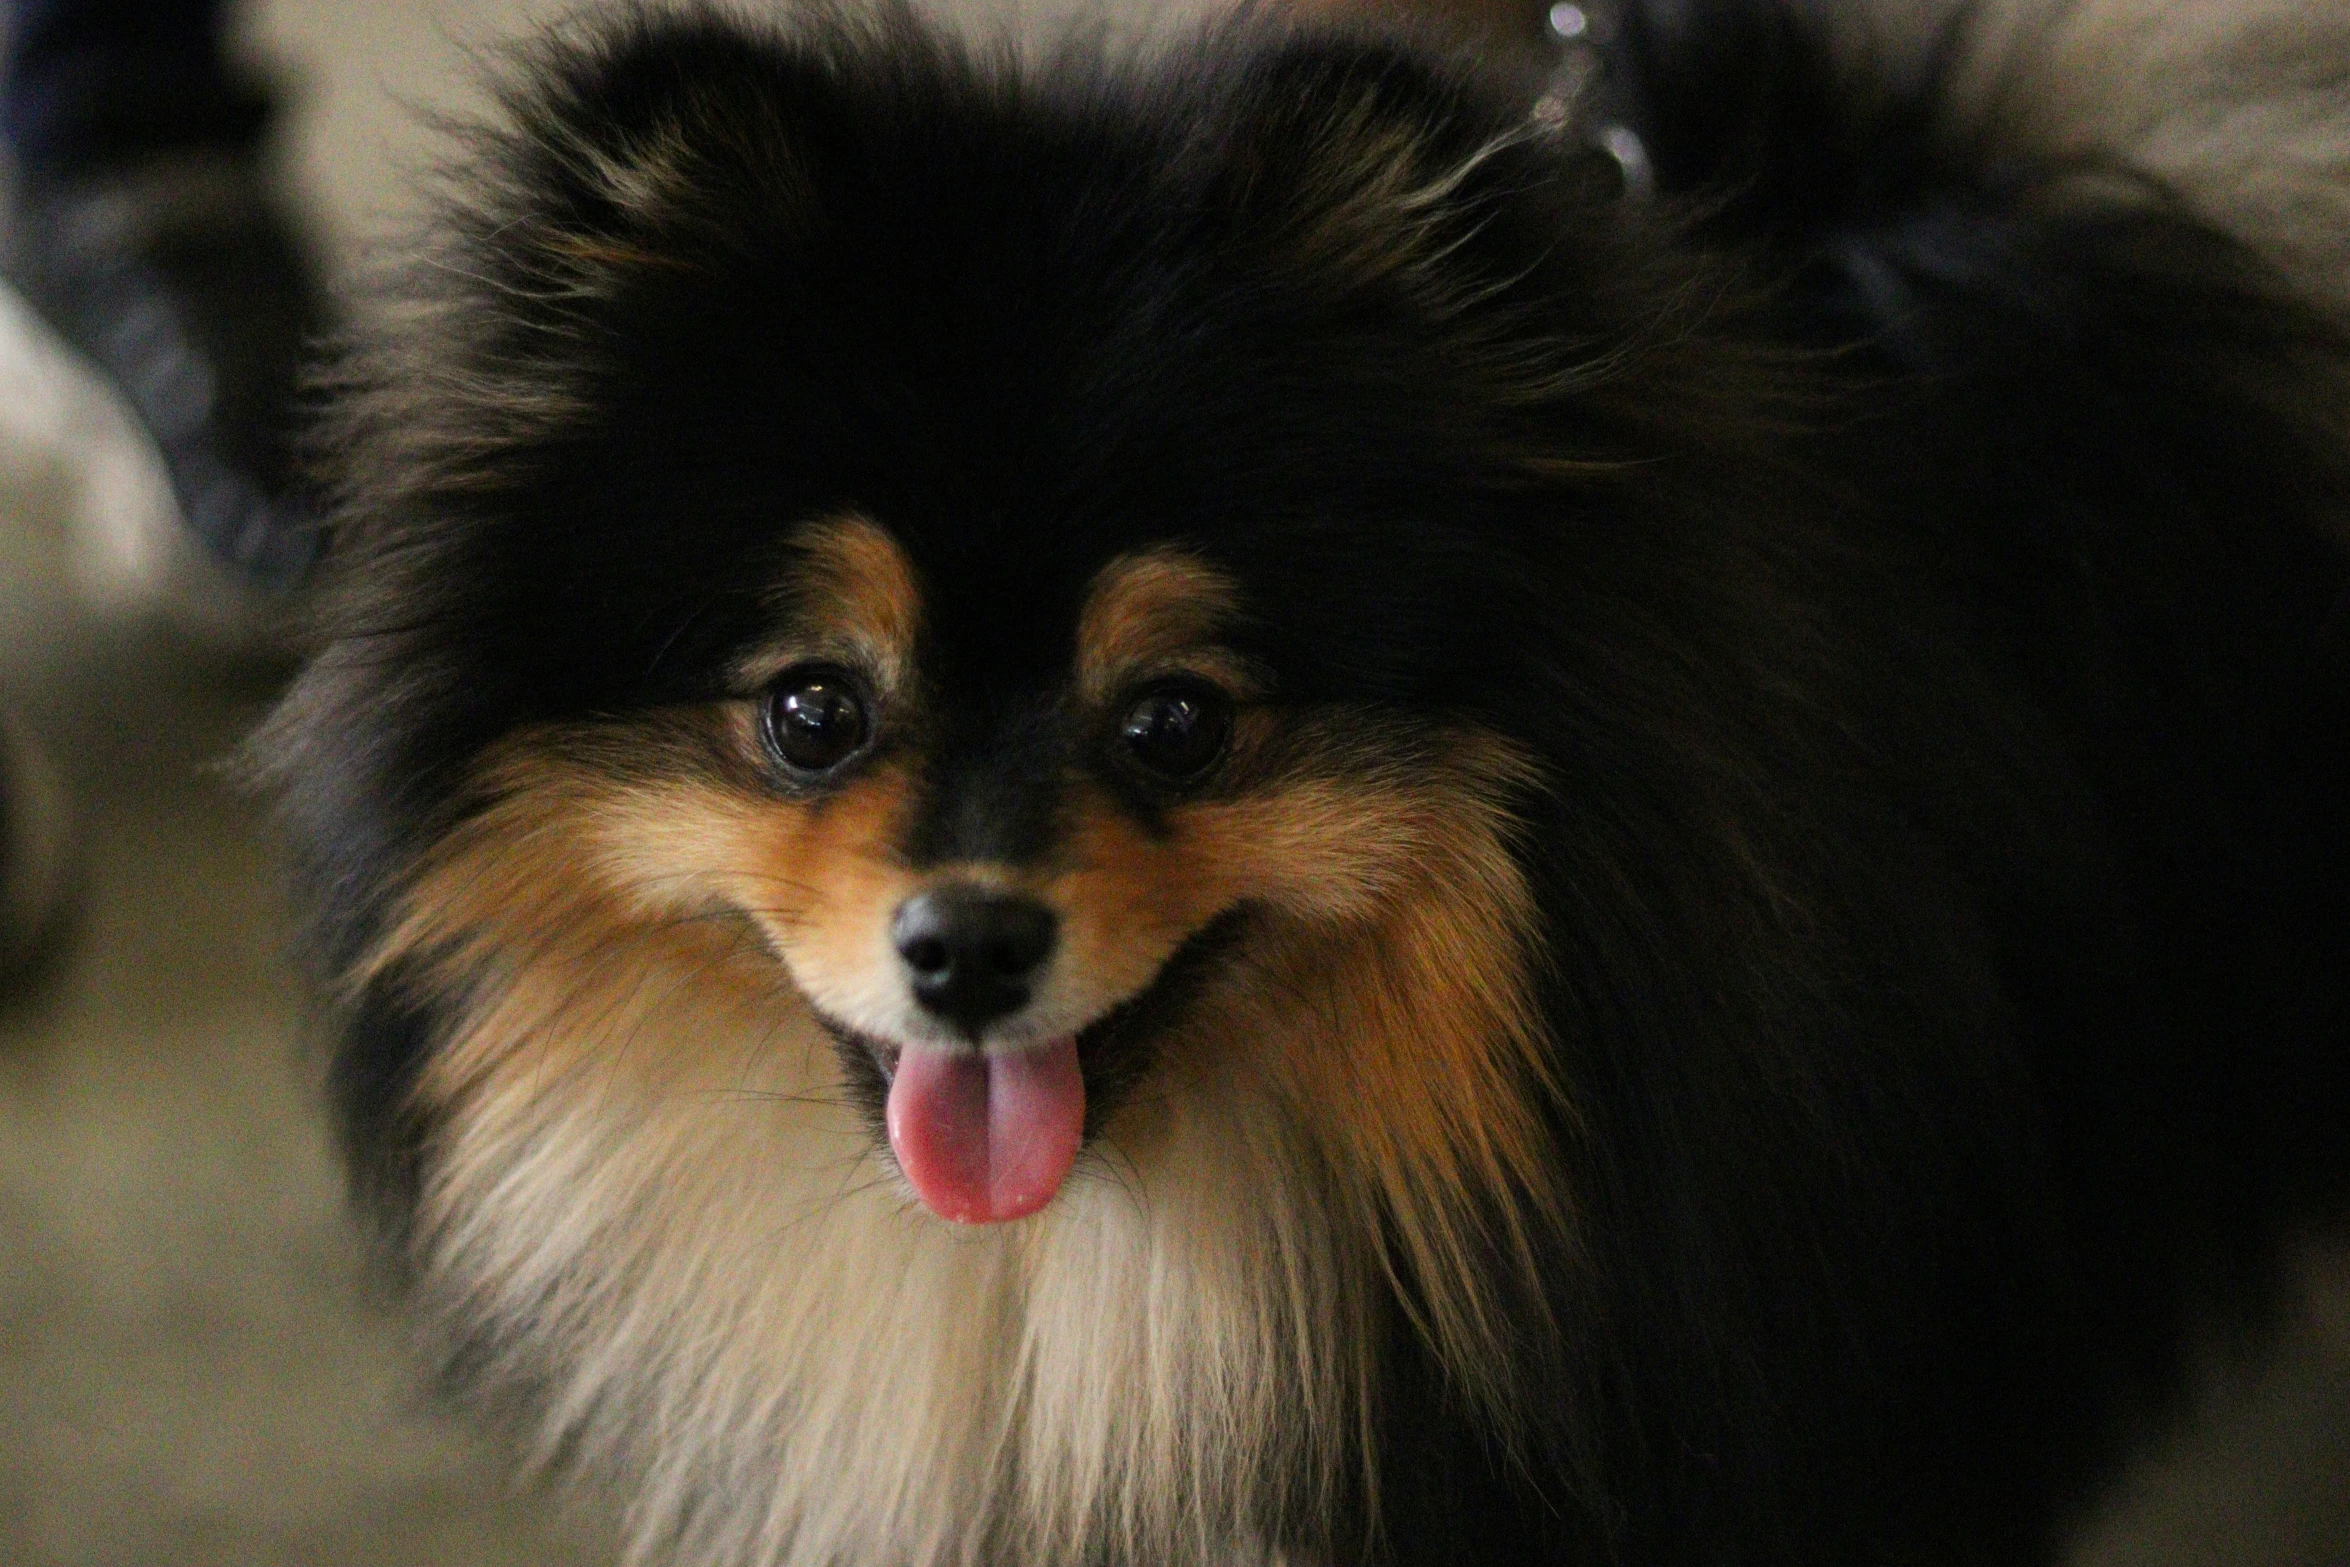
(970,953)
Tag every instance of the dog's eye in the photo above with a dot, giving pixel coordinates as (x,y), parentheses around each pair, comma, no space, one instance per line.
(1176,732)
(815,719)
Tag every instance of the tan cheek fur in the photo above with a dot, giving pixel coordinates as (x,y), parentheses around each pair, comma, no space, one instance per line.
(647,1156)
(1388,994)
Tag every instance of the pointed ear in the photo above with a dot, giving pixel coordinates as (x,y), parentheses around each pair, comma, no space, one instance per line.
(626,139)
(654,140)
(1380,165)
(619,152)
(1330,103)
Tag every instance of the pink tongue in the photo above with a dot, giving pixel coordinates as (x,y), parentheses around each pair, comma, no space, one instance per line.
(987,1137)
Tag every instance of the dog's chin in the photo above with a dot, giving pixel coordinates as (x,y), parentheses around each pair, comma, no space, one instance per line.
(1043,1100)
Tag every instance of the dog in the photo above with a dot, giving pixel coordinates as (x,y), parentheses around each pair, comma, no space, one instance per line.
(1277,800)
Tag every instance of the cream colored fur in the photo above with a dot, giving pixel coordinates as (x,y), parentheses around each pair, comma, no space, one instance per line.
(722,1291)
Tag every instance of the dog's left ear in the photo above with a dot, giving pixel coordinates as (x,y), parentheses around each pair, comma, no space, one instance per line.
(1393,165)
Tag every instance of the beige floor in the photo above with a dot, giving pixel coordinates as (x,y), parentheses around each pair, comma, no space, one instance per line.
(192,1369)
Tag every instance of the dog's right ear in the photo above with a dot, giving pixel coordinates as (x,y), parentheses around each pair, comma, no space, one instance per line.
(650,142)
(1389,166)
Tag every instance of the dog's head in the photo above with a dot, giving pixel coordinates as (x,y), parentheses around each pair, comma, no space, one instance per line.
(908,628)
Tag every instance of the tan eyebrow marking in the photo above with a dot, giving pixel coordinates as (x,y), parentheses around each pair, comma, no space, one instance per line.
(1156,611)
(853,594)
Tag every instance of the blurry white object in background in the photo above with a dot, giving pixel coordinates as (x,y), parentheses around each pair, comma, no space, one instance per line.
(130,555)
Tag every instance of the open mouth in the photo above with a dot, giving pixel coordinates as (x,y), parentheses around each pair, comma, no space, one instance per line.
(989,1136)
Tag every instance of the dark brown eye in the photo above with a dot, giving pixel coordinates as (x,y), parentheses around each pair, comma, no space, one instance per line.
(1176,732)
(815,719)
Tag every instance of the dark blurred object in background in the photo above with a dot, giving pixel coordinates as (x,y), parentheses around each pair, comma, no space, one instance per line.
(144,232)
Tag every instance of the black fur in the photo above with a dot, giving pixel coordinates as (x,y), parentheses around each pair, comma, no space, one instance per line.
(1920,573)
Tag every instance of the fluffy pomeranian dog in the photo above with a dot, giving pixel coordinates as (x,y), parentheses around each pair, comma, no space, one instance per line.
(1271,803)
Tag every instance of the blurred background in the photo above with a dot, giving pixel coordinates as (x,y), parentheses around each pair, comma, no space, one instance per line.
(194,1366)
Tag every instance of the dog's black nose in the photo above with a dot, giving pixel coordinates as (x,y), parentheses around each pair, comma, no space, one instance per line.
(971,953)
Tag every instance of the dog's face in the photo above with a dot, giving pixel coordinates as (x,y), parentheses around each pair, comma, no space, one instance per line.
(999,870)
(1028,843)
(911,653)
